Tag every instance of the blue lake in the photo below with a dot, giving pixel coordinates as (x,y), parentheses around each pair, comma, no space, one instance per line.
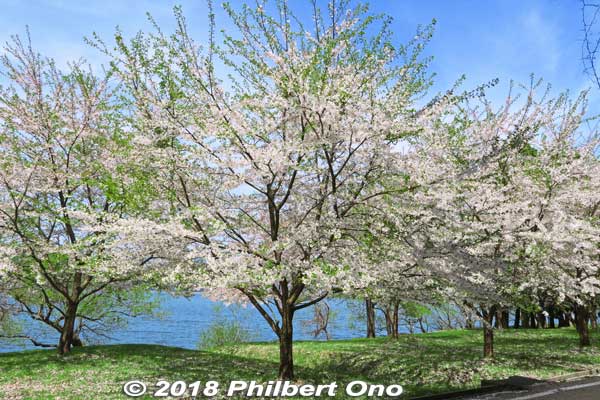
(182,320)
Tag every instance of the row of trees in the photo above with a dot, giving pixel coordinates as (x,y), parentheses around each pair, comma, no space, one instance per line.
(311,167)
(413,318)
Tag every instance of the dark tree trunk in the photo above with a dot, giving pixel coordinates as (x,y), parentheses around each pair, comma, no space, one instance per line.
(525,320)
(541,320)
(532,321)
(594,318)
(395,322)
(77,341)
(488,341)
(581,323)
(562,321)
(505,318)
(72,300)
(286,336)
(488,332)
(569,318)
(68,329)
(469,323)
(498,319)
(389,322)
(370,308)
(551,317)
(517,323)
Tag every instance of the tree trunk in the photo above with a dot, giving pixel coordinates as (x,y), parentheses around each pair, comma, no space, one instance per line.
(541,320)
(525,320)
(370,318)
(517,323)
(488,342)
(505,319)
(594,318)
(389,323)
(566,319)
(569,318)
(488,333)
(532,321)
(469,323)
(287,304)
(68,329)
(77,341)
(562,321)
(551,317)
(581,323)
(395,323)
(498,319)
(286,335)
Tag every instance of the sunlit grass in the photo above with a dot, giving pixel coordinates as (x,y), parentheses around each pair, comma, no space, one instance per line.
(427,363)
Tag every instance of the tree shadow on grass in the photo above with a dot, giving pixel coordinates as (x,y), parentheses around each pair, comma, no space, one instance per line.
(422,364)
(148,363)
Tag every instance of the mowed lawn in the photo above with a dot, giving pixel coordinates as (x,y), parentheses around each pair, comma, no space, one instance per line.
(422,363)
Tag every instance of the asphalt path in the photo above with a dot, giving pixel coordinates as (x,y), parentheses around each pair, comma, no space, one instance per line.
(584,389)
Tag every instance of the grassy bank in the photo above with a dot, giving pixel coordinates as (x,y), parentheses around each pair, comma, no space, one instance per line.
(427,363)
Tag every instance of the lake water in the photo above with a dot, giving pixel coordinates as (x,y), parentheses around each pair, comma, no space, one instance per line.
(183,320)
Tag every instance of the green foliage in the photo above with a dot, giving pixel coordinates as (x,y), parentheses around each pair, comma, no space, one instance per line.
(415,310)
(9,326)
(226,329)
(108,310)
(117,304)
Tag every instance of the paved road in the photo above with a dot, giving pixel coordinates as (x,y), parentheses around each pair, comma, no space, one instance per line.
(585,389)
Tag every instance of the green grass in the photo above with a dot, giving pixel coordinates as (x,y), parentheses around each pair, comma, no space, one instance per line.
(423,364)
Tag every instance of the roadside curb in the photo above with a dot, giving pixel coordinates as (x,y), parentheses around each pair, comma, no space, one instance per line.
(575,375)
(462,393)
(511,383)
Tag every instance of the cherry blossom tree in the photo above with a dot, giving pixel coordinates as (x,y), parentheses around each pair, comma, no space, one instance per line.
(561,244)
(272,169)
(308,168)
(553,250)
(470,220)
(68,199)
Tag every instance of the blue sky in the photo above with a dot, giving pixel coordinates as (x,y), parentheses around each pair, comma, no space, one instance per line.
(483,39)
